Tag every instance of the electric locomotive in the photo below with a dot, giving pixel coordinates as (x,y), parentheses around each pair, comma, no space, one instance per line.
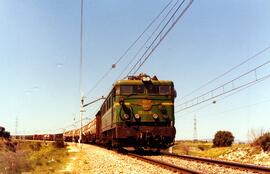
(139,113)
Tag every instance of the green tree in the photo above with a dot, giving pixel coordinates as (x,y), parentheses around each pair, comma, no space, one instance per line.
(223,139)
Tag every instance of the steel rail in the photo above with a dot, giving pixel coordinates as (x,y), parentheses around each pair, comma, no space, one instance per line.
(252,167)
(169,166)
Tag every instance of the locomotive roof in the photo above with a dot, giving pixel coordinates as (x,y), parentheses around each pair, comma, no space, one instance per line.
(140,82)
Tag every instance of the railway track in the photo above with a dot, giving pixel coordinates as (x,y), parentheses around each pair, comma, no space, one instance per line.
(166,165)
(202,166)
(227,164)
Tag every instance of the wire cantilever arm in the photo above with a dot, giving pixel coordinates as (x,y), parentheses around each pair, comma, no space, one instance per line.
(101,98)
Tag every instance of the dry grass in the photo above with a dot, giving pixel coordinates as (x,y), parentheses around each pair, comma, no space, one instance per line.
(34,157)
(244,153)
(203,149)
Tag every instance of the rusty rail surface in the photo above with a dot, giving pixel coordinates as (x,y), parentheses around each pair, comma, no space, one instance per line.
(165,164)
(252,167)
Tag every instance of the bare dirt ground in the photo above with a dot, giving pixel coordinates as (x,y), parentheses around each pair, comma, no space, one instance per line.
(75,159)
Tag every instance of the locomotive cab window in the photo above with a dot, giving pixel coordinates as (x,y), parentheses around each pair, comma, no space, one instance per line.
(152,89)
(125,90)
(159,90)
(136,89)
(164,90)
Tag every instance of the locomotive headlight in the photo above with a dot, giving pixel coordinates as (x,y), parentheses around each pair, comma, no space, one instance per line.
(155,116)
(126,116)
(137,116)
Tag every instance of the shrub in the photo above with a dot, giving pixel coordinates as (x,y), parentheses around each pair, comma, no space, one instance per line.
(263,141)
(223,139)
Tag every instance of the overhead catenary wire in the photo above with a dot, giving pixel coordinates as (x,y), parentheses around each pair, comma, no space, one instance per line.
(76,123)
(114,65)
(148,39)
(241,107)
(217,100)
(227,72)
(156,42)
(228,110)
(210,94)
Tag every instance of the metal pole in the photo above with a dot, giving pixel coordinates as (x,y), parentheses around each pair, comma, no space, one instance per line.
(80,139)
(81,118)
(81,62)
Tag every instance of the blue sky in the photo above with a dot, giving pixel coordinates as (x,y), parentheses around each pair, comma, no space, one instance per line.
(40,50)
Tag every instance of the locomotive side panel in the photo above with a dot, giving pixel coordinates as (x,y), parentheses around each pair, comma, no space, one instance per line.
(107,123)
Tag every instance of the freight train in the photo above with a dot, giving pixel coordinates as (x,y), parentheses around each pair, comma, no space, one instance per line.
(45,137)
(138,113)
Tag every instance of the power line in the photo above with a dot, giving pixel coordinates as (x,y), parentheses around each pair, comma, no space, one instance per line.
(153,21)
(128,49)
(226,72)
(81,47)
(148,39)
(155,43)
(241,107)
(75,123)
(226,96)
(219,91)
(232,109)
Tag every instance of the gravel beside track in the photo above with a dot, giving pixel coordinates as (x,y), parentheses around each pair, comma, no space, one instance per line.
(91,159)
(202,167)
(96,160)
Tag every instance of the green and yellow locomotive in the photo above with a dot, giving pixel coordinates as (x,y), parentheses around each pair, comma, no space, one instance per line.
(139,113)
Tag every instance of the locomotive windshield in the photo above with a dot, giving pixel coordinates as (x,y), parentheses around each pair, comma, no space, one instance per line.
(140,89)
(165,90)
(161,90)
(131,89)
(152,89)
